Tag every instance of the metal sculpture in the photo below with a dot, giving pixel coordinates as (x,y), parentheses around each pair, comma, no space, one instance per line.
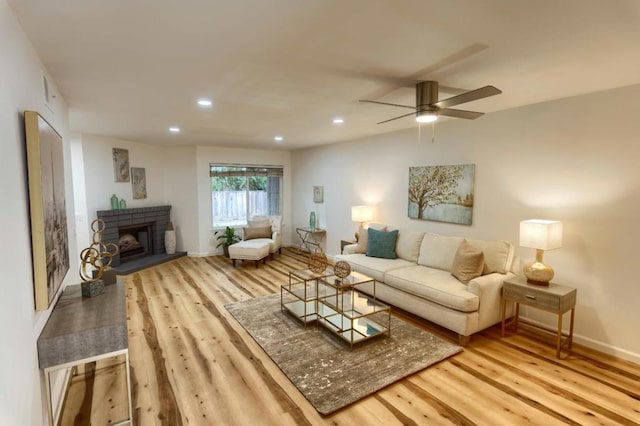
(98,254)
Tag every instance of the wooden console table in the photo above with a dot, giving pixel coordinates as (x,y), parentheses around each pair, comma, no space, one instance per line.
(310,239)
(82,330)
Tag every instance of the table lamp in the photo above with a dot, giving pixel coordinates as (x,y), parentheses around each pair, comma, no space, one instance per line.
(361,214)
(541,235)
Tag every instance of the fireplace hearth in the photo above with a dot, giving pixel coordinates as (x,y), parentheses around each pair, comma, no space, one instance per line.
(139,230)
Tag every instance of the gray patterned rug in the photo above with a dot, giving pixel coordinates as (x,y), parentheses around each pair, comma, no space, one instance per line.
(321,365)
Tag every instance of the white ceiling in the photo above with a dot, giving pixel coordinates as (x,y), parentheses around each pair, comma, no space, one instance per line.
(131,68)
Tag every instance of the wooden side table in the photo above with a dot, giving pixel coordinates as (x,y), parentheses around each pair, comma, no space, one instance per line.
(555,298)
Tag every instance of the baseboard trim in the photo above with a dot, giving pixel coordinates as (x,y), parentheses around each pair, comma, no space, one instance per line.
(202,254)
(595,344)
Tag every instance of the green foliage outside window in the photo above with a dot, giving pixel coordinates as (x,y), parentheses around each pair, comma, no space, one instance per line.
(238,183)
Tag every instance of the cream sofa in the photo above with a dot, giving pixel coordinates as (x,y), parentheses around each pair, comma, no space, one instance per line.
(420,281)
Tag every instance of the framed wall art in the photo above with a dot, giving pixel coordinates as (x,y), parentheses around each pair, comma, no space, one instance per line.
(442,193)
(120,164)
(49,239)
(138,183)
(318,194)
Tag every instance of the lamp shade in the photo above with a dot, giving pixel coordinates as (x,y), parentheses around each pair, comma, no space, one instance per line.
(541,234)
(362,213)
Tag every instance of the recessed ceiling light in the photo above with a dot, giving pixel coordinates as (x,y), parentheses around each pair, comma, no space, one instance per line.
(278,138)
(204,103)
(338,120)
(174,129)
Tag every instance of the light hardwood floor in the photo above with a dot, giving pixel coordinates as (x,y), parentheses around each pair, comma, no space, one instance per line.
(192,364)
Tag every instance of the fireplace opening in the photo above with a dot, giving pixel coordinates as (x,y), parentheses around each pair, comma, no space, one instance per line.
(135,241)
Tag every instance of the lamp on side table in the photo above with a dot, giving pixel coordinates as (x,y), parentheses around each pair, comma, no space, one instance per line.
(541,235)
(361,214)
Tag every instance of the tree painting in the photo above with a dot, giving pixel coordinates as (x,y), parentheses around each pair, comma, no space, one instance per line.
(442,193)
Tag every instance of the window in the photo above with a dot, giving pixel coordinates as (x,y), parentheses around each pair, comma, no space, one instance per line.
(240,192)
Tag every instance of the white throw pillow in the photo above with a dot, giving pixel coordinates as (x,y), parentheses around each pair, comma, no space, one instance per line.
(408,246)
(438,251)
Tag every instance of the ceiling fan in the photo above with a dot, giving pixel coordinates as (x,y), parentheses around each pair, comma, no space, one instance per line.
(428,107)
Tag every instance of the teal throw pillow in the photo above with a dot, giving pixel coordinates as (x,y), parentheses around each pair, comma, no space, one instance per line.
(382,243)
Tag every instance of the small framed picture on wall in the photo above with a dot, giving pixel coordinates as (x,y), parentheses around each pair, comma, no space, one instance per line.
(138,183)
(120,165)
(318,194)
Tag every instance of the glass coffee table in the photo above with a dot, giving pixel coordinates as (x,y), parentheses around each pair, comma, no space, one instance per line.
(348,312)
(299,295)
(336,303)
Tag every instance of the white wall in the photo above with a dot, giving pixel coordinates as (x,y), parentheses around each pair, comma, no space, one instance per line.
(572,160)
(99,179)
(209,155)
(21,393)
(176,176)
(83,233)
(181,183)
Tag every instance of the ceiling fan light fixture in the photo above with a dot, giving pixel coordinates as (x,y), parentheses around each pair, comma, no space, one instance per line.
(426,117)
(205,103)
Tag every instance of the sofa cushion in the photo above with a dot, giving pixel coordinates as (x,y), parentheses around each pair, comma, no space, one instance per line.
(363,236)
(498,255)
(252,233)
(408,245)
(382,243)
(438,251)
(468,263)
(374,267)
(435,285)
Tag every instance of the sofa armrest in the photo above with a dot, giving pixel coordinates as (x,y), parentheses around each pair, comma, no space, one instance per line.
(277,239)
(489,289)
(349,249)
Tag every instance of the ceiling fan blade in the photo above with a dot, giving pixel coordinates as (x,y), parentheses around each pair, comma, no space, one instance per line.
(460,113)
(395,118)
(473,95)
(387,103)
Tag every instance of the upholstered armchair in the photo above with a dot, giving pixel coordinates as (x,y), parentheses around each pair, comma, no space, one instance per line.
(267,228)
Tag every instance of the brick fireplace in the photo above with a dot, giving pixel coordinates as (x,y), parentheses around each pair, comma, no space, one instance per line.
(132,221)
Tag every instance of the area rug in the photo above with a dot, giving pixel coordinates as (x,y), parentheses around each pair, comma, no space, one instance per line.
(321,365)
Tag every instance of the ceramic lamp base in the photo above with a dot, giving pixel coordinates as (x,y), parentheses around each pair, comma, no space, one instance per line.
(538,273)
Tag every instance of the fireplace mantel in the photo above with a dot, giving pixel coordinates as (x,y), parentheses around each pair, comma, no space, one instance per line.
(158,216)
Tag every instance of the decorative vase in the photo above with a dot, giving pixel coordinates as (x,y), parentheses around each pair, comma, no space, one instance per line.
(123,204)
(170,241)
(312,221)
(114,202)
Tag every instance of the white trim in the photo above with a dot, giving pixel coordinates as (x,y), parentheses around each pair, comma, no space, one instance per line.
(596,345)
(202,254)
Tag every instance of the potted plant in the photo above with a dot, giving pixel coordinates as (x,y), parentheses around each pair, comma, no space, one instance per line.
(225,238)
